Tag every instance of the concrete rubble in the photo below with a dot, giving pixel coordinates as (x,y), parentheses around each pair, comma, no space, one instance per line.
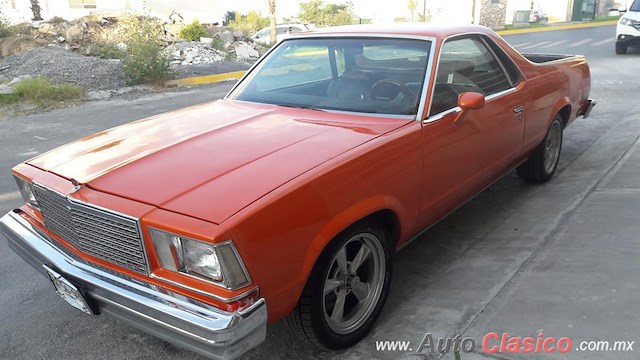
(193,53)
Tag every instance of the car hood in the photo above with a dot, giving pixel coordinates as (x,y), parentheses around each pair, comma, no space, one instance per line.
(210,161)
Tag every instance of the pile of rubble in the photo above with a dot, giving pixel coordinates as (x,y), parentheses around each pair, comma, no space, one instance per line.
(193,53)
(62,66)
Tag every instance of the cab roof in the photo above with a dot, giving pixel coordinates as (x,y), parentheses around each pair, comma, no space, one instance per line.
(404,29)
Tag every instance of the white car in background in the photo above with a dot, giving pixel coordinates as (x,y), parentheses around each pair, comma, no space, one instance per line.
(282,31)
(628,31)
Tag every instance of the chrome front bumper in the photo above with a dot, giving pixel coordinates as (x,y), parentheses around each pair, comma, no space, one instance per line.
(183,321)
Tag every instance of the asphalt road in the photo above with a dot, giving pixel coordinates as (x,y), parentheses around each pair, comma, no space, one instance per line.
(466,275)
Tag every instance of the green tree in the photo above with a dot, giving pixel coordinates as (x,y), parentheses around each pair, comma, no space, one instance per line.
(321,14)
(249,23)
(229,16)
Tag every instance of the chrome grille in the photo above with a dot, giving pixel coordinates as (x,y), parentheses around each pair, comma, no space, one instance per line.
(96,232)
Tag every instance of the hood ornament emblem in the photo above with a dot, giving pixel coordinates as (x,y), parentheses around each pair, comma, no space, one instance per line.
(76,185)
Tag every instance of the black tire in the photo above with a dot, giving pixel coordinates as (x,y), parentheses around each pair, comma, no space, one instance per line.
(309,320)
(543,162)
(621,49)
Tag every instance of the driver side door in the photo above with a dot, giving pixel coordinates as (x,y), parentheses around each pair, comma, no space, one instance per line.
(464,153)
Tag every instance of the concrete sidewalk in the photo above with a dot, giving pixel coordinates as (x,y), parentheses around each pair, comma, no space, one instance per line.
(564,262)
(574,285)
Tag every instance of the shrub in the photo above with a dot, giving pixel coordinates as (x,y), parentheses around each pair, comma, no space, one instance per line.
(109,52)
(193,31)
(6,29)
(146,61)
(43,92)
(218,44)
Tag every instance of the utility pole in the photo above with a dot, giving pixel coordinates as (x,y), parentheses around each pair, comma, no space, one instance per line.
(424,10)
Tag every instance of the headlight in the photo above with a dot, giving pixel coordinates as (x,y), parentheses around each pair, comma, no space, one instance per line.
(626,21)
(217,263)
(26,189)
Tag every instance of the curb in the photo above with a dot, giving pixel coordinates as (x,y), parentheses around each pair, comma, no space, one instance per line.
(215,78)
(208,79)
(554,28)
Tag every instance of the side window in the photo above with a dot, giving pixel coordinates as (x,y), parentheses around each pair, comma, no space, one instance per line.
(466,65)
(512,69)
(281,31)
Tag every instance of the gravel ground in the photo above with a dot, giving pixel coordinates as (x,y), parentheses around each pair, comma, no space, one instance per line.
(62,66)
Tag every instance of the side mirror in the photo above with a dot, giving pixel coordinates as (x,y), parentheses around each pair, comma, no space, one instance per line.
(469,101)
(622,9)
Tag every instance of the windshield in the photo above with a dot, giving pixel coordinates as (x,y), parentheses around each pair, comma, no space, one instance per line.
(635,6)
(381,76)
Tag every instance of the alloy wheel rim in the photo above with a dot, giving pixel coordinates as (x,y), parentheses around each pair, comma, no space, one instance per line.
(354,283)
(552,148)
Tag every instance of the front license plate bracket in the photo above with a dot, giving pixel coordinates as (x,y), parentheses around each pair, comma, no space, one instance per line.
(69,292)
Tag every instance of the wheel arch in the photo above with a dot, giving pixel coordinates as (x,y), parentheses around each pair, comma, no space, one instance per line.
(385,210)
(562,107)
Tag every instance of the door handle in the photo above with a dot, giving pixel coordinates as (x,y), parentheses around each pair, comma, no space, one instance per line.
(519,110)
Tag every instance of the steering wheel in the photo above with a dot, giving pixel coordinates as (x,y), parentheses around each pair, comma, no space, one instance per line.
(401,88)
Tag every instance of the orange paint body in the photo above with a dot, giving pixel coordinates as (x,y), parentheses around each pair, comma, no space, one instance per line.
(282,182)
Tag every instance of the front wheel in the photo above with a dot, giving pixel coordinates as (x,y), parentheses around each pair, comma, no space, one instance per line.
(621,49)
(543,162)
(346,290)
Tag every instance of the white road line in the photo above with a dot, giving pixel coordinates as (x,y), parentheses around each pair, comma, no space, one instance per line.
(535,45)
(599,43)
(554,44)
(582,42)
(521,45)
(10,196)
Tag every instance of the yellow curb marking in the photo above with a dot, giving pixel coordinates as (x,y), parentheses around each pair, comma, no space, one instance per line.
(552,28)
(208,79)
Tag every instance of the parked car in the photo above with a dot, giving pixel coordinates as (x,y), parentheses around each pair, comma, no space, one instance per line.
(288,198)
(282,32)
(628,30)
(538,16)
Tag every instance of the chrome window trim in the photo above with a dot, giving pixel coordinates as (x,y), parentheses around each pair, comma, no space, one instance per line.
(110,213)
(425,85)
(440,115)
(456,109)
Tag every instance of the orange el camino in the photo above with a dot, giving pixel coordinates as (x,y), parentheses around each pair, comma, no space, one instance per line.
(288,198)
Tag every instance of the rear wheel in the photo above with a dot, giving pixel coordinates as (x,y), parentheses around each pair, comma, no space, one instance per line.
(621,49)
(542,164)
(346,290)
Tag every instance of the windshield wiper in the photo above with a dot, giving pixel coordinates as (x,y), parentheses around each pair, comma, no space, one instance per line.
(301,107)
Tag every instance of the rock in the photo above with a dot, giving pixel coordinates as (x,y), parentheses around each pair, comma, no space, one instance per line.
(6,89)
(61,39)
(227,37)
(98,95)
(75,33)
(16,80)
(245,51)
(206,40)
(238,35)
(122,46)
